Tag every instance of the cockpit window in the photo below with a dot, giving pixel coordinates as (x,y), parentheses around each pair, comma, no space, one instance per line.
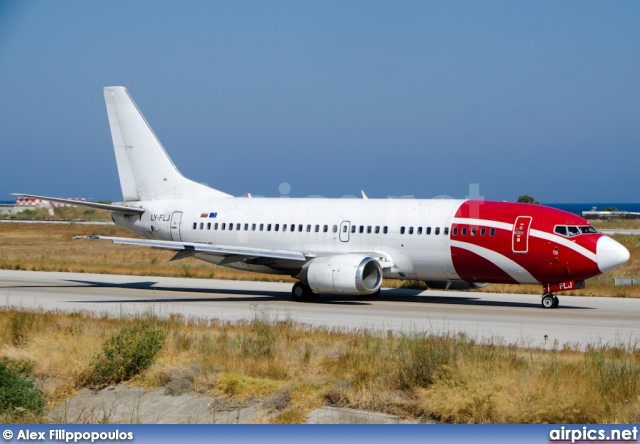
(570,231)
(561,230)
(573,231)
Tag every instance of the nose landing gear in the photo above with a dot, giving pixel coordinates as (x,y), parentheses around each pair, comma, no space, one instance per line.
(550,300)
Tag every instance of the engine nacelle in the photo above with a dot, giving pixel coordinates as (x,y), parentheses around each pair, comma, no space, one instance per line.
(454,285)
(343,274)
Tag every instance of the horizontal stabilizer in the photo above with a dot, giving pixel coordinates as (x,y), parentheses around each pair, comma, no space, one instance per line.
(80,203)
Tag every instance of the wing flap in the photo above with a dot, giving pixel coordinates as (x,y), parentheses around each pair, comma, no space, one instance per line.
(186,249)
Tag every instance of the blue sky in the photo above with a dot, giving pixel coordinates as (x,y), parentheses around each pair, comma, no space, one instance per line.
(422,98)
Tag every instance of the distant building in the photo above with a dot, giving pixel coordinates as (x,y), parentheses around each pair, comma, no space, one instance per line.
(26,203)
(41,203)
(594,213)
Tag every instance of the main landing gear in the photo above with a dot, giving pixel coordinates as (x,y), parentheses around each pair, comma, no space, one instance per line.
(301,292)
(550,300)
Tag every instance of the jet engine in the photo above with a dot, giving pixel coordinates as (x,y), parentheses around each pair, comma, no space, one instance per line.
(343,274)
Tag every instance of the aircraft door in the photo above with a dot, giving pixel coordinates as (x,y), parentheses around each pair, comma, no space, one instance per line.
(345,229)
(176,218)
(521,227)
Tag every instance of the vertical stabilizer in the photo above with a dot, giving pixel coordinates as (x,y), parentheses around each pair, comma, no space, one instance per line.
(146,171)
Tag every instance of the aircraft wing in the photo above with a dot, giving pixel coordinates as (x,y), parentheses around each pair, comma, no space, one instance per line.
(186,249)
(98,206)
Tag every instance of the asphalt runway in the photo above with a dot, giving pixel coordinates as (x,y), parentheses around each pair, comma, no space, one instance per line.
(503,317)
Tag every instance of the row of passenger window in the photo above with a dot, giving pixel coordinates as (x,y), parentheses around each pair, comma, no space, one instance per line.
(473,231)
(288,227)
(427,230)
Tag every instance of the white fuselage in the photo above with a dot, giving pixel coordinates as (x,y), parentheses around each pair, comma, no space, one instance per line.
(314,226)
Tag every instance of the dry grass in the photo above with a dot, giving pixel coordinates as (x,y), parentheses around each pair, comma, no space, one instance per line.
(46,247)
(618,223)
(294,368)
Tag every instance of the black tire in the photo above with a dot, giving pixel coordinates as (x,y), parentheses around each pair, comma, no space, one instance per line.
(556,302)
(548,301)
(301,292)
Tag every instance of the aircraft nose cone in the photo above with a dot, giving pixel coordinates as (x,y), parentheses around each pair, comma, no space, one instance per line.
(610,254)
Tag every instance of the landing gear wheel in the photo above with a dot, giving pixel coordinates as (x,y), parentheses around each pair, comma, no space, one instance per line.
(556,302)
(549,301)
(301,292)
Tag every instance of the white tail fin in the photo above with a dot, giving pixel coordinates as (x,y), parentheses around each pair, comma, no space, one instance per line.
(146,171)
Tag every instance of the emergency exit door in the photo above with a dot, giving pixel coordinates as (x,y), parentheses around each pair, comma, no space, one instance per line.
(345,229)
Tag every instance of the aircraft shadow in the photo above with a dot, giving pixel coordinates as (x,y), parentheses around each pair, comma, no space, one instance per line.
(392,295)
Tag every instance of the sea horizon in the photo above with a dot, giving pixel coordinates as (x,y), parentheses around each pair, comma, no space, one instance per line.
(576,208)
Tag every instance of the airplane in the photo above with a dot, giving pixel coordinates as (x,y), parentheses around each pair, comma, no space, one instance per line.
(344,246)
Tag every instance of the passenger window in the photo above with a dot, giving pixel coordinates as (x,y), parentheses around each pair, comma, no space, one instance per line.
(224,226)
(253,227)
(317,228)
(428,230)
(385,230)
(361,229)
(277,227)
(437,232)
(293,227)
(308,228)
(335,228)
(473,231)
(268,227)
(455,231)
(492,232)
(246,227)
(419,230)
(401,230)
(483,231)
(464,231)
(446,230)
(369,229)
(284,227)
(208,225)
(201,225)
(353,228)
(195,225)
(377,229)
(410,230)
(344,229)
(230,226)
(300,228)
(215,226)
(261,227)
(325,228)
